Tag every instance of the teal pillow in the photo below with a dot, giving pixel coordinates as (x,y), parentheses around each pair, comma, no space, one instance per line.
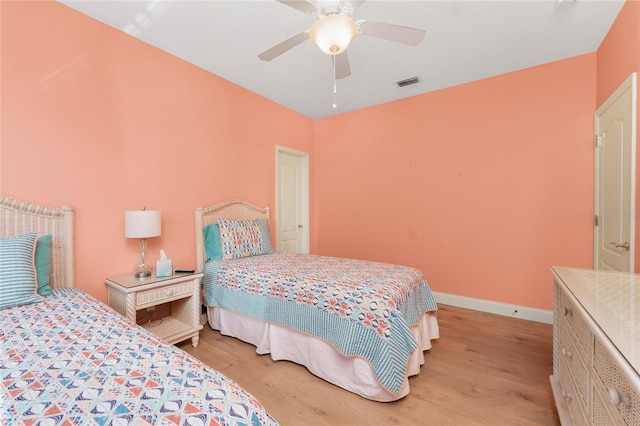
(267,247)
(212,244)
(17,271)
(43,264)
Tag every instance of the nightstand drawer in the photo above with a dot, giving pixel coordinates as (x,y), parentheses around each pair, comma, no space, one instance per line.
(163,294)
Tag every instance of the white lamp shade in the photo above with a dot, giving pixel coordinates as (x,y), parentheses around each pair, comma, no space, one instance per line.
(333,33)
(142,223)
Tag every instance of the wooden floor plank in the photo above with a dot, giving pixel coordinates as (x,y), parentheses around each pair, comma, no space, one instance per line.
(484,370)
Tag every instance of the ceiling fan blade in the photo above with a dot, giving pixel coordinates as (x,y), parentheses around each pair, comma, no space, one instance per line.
(343,69)
(392,32)
(301,5)
(354,4)
(283,46)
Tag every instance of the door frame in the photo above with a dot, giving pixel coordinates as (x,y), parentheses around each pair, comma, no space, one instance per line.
(304,202)
(630,83)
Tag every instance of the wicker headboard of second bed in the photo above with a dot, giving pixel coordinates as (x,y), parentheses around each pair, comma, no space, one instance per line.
(232,210)
(19,217)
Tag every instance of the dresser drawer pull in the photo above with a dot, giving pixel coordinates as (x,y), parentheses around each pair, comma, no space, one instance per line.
(170,292)
(566,396)
(566,353)
(616,399)
(567,312)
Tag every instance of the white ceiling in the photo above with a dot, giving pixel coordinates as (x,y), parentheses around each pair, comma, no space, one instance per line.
(465,41)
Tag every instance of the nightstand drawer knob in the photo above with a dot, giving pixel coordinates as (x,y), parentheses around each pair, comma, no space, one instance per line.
(170,292)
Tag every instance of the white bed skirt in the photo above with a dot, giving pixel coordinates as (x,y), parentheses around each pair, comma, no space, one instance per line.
(320,357)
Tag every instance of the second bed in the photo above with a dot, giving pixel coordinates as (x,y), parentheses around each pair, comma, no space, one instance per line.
(360,325)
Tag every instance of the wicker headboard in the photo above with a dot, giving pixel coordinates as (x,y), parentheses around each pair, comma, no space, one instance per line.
(232,210)
(19,217)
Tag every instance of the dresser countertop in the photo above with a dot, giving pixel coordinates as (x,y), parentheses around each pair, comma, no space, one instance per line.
(612,299)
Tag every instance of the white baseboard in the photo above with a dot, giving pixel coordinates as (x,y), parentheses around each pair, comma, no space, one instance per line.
(499,308)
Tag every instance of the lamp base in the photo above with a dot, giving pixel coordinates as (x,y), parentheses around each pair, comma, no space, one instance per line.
(142,271)
(142,275)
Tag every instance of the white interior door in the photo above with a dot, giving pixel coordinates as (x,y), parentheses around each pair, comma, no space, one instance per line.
(615,180)
(292,200)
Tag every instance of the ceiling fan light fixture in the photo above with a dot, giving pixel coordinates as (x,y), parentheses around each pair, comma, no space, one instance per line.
(333,33)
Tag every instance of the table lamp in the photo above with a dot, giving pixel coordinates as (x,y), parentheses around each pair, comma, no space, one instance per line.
(142,224)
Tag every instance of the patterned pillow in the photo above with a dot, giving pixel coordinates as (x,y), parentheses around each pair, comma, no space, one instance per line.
(240,238)
(17,271)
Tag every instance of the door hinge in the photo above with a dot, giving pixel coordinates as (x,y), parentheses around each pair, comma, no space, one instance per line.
(597,140)
(596,220)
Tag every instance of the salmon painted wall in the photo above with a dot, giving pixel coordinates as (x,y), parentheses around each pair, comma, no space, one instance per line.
(492,181)
(97,119)
(482,186)
(618,57)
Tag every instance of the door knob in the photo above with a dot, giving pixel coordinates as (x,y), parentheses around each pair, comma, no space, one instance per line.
(624,245)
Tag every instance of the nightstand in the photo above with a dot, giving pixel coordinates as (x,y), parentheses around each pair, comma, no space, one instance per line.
(127,295)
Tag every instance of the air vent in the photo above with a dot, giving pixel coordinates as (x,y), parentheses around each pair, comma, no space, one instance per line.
(408,81)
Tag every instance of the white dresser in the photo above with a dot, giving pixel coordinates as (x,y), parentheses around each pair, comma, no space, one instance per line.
(596,347)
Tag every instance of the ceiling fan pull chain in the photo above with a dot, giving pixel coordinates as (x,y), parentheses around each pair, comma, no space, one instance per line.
(334,81)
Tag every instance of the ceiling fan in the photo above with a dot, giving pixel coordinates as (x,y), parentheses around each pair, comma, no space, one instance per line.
(334,28)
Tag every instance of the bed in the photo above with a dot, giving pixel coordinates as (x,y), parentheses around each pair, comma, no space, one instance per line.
(363,326)
(67,358)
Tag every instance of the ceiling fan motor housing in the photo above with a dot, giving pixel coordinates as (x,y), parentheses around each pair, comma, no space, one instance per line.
(332,33)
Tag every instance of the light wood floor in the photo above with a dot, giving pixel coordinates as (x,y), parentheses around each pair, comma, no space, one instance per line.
(484,370)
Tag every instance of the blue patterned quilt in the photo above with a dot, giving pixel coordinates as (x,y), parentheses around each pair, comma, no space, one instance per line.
(72,360)
(363,308)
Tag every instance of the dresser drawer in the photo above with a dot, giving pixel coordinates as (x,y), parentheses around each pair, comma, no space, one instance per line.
(570,317)
(571,397)
(603,413)
(617,392)
(164,294)
(575,364)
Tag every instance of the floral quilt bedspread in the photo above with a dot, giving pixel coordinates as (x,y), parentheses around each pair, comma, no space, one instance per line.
(72,360)
(363,308)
